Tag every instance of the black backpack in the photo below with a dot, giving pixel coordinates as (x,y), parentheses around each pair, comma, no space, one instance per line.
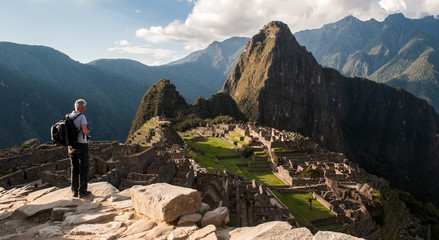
(64,131)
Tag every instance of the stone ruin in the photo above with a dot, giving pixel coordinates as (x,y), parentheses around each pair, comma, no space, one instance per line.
(291,156)
(251,202)
(127,165)
(121,165)
(145,163)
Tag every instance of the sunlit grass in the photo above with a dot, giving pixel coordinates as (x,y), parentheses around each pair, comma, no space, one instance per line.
(212,147)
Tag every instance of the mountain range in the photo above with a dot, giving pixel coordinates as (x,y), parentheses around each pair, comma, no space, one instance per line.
(201,73)
(38,86)
(400,52)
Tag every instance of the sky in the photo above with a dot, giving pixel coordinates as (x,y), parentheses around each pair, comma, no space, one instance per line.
(156,32)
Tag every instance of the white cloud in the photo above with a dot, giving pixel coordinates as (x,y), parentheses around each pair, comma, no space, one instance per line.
(123,46)
(393,5)
(221,19)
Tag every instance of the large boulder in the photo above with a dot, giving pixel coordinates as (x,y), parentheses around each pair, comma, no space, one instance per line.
(271,231)
(165,202)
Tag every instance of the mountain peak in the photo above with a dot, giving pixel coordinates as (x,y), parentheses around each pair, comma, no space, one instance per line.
(395,17)
(161,99)
(272,59)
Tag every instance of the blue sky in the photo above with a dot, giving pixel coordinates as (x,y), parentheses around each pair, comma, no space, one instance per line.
(155,32)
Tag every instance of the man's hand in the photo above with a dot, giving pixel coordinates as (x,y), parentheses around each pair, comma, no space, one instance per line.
(85,131)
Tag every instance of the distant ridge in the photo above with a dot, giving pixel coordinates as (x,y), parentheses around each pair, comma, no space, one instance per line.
(39,85)
(391,133)
(400,52)
(201,73)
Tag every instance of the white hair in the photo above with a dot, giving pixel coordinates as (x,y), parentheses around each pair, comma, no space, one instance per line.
(80,103)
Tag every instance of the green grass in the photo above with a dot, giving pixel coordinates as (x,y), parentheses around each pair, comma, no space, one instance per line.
(268,178)
(299,207)
(237,134)
(212,147)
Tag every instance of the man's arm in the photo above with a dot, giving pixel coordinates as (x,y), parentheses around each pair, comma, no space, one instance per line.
(85,131)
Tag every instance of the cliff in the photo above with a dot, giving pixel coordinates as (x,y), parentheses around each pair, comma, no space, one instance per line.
(390,132)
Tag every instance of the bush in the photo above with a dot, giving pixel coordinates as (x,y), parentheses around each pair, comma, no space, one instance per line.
(246,151)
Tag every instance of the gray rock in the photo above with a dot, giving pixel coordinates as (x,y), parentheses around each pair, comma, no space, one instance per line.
(327,235)
(102,189)
(10,237)
(189,219)
(30,210)
(160,231)
(34,142)
(202,233)
(121,205)
(34,195)
(224,234)
(50,232)
(87,218)
(124,216)
(87,207)
(182,233)
(134,236)
(204,208)
(211,236)
(140,226)
(57,213)
(218,217)
(96,229)
(165,202)
(271,231)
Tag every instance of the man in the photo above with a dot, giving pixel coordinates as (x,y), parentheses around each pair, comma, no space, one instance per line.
(79,152)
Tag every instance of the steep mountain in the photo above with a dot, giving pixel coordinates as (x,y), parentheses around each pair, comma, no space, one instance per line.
(201,73)
(163,99)
(388,131)
(400,52)
(39,85)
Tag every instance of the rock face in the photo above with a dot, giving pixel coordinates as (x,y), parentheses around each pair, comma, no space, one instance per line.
(161,98)
(391,133)
(165,202)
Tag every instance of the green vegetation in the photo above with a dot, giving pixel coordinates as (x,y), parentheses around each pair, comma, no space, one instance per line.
(310,173)
(428,213)
(246,151)
(298,205)
(205,151)
(24,146)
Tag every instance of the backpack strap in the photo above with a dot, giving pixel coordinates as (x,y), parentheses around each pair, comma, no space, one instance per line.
(73,119)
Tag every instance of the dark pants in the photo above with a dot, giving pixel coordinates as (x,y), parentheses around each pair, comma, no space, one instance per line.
(79,166)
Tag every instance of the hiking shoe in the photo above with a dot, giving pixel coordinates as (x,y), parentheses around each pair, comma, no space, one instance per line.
(75,194)
(84,194)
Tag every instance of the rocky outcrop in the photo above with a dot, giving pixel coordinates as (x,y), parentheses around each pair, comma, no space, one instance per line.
(101,216)
(391,133)
(165,202)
